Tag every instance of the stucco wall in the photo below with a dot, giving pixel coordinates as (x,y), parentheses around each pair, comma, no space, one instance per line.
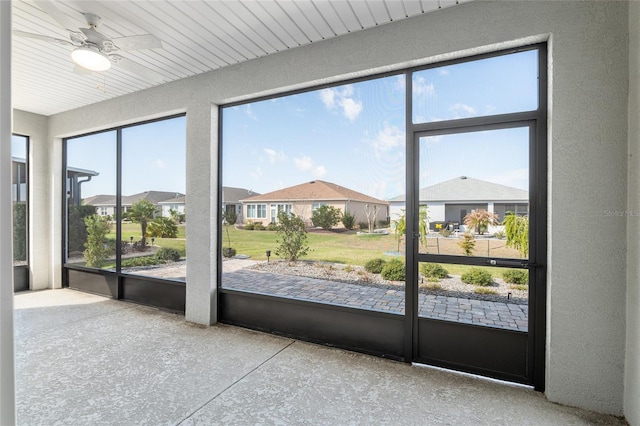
(587,157)
(40,227)
(632,361)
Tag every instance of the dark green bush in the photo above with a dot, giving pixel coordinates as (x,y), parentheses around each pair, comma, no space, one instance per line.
(363,226)
(348,220)
(433,270)
(167,254)
(272,227)
(228,252)
(516,277)
(394,270)
(249,226)
(140,261)
(326,217)
(375,265)
(77,230)
(477,276)
(258,226)
(19,231)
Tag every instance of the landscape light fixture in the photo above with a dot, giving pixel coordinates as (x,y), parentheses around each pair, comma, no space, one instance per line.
(268,254)
(152,240)
(91,58)
(131,238)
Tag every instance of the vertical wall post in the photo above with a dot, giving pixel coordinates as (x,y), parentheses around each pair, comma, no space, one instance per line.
(7,368)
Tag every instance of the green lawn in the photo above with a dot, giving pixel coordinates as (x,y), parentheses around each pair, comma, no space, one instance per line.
(344,247)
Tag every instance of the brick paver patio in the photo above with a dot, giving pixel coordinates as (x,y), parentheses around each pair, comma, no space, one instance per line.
(481,312)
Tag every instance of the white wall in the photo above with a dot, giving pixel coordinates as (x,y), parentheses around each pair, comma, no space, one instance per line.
(587,157)
(40,199)
(7,370)
(632,361)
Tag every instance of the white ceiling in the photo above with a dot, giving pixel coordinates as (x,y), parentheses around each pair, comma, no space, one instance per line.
(197,36)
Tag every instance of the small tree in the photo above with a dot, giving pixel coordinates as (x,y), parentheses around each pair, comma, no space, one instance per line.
(371,212)
(142,212)
(468,243)
(77,230)
(348,220)
(229,218)
(292,237)
(177,216)
(517,230)
(19,231)
(96,251)
(163,227)
(400,227)
(326,217)
(479,220)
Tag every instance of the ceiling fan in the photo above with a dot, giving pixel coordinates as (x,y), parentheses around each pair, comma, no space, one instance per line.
(93,51)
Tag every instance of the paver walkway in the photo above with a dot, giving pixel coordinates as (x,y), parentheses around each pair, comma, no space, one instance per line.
(494,314)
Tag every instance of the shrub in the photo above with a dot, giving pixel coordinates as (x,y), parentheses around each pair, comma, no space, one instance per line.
(477,276)
(499,235)
(479,220)
(394,270)
(468,243)
(445,232)
(249,226)
(140,261)
(272,227)
(484,290)
(19,231)
(375,265)
(96,249)
(258,226)
(167,254)
(517,231)
(326,217)
(363,225)
(522,287)
(433,270)
(228,252)
(292,237)
(516,277)
(348,220)
(77,230)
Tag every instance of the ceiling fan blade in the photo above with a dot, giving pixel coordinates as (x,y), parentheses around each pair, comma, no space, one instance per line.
(57,15)
(141,70)
(143,41)
(40,37)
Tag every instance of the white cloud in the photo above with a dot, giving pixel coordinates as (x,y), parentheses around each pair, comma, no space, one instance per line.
(461,110)
(343,98)
(274,156)
(443,71)
(516,178)
(351,108)
(400,83)
(160,163)
(249,111)
(422,88)
(387,139)
(319,171)
(306,164)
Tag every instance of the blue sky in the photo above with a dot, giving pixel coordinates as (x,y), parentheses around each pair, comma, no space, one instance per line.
(153,158)
(354,135)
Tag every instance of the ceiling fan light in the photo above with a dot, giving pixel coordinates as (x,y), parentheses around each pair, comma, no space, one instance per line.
(91,59)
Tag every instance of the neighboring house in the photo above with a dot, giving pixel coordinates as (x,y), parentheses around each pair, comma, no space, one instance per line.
(231,199)
(106,204)
(175,204)
(304,199)
(450,201)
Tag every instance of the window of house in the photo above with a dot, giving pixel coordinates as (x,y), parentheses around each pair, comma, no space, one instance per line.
(257,211)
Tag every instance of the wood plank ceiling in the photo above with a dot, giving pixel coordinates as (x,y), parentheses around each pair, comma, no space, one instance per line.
(197,36)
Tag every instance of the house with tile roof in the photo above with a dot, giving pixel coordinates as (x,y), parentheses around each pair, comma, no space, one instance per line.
(106,204)
(450,201)
(304,199)
(231,197)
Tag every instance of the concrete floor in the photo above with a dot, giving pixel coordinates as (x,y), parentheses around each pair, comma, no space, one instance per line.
(83,359)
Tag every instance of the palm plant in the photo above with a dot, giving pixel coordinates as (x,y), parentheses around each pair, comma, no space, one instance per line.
(142,212)
(479,220)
